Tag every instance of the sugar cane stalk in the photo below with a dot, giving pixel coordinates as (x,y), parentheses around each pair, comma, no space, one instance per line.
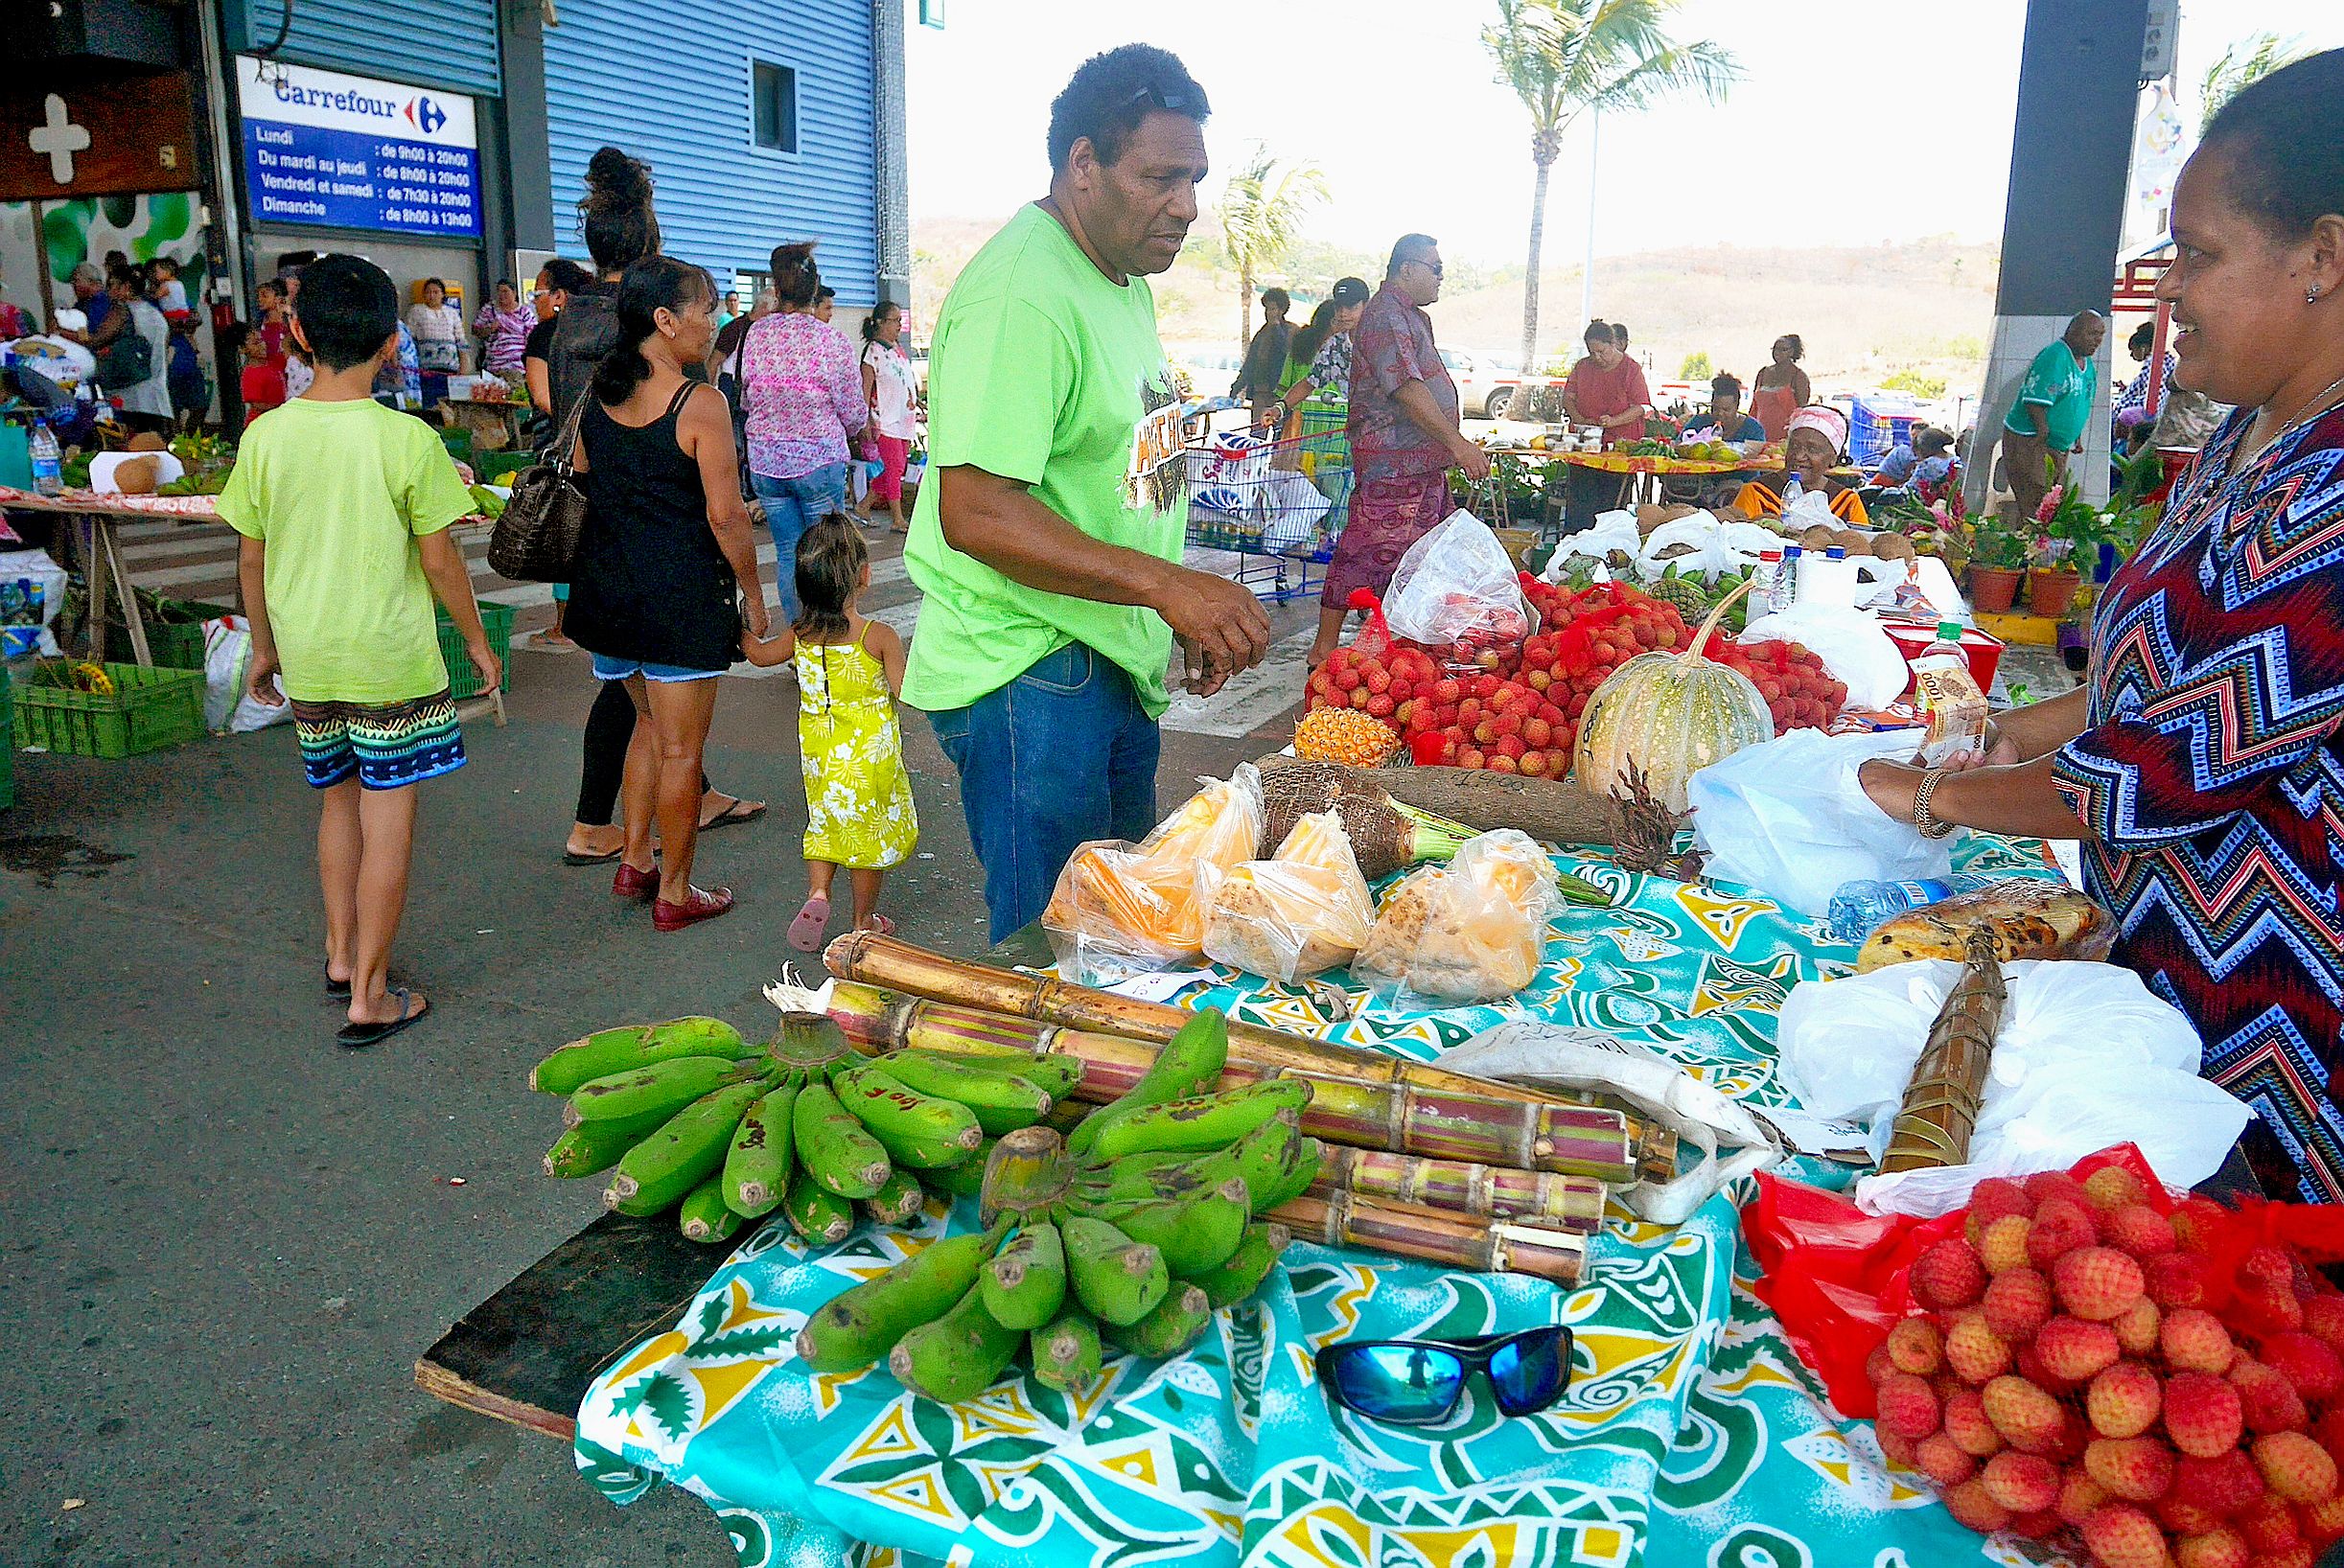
(1520,1135)
(1405,1230)
(877,961)
(1941,1106)
(1540,1198)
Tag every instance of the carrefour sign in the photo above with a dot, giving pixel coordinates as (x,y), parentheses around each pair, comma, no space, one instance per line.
(325,150)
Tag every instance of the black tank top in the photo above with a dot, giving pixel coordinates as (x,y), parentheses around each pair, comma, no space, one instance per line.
(650,583)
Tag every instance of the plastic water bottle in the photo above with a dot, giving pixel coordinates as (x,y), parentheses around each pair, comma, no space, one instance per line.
(1764,578)
(1786,580)
(47,462)
(1859,908)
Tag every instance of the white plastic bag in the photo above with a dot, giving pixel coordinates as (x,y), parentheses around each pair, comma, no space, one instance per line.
(1714,547)
(2087,1057)
(1457,585)
(35,593)
(1612,531)
(1811,510)
(1290,509)
(1123,909)
(1850,642)
(227,663)
(1554,1057)
(1302,910)
(1471,931)
(1788,817)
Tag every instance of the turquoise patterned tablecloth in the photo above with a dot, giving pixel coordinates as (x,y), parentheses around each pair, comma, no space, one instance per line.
(1690,1434)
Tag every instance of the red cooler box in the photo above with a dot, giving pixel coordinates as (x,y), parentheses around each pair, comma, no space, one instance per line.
(1984,651)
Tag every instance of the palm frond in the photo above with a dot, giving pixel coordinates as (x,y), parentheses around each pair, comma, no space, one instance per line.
(1264,207)
(2241,64)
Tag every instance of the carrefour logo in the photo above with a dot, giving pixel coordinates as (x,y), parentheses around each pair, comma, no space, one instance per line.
(424,115)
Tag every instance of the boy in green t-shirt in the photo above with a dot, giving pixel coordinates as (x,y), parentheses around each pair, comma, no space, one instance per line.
(344,505)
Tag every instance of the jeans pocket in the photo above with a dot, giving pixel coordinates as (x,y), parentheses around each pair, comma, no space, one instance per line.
(951,726)
(1066,672)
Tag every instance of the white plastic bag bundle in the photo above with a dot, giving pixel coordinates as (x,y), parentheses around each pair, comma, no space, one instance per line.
(1457,585)
(2086,1057)
(227,663)
(1612,531)
(1552,1056)
(1850,642)
(35,594)
(1788,818)
(1290,508)
(1811,509)
(1701,545)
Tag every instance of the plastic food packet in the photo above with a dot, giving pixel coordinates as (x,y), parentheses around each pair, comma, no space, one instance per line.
(1121,909)
(1471,931)
(1305,909)
(1456,588)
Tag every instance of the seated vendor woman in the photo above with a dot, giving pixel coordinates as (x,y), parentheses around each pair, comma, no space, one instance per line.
(1819,435)
(1724,421)
(2202,765)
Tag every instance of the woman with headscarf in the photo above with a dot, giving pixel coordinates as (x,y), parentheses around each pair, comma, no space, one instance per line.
(1818,436)
(2202,763)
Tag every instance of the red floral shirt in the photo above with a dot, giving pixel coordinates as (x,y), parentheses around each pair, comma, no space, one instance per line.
(1391,347)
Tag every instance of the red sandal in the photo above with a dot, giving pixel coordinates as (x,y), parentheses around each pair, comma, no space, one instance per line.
(697,906)
(641,886)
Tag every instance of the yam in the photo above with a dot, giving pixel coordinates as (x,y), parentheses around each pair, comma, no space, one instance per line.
(1854,540)
(1892,547)
(136,475)
(1819,538)
(1544,808)
(145,441)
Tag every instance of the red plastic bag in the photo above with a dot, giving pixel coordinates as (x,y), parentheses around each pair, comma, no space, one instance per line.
(1375,639)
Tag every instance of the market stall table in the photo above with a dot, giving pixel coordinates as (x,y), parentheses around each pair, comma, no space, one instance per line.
(1691,1433)
(90,519)
(503,415)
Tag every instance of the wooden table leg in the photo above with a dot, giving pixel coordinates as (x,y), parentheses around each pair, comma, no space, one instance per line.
(131,616)
(84,529)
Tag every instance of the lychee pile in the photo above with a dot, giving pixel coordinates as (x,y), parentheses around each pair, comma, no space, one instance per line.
(2087,1362)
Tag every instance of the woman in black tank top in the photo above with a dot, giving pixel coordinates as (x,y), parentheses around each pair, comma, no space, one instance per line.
(664,556)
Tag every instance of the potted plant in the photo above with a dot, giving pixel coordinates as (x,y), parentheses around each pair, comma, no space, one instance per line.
(1997,555)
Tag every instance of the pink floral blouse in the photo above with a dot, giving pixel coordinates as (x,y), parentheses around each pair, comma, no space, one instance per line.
(804,395)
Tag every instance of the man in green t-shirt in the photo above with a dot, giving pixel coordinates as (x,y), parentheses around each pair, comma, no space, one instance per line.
(2054,402)
(1048,543)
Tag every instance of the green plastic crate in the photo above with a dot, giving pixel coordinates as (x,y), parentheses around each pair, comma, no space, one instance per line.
(494,468)
(463,681)
(145,712)
(177,645)
(8,746)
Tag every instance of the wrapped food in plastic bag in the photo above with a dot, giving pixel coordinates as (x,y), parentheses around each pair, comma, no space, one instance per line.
(1456,587)
(1305,909)
(2028,918)
(1471,931)
(1122,909)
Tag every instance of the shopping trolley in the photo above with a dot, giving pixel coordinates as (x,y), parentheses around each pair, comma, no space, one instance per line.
(1277,504)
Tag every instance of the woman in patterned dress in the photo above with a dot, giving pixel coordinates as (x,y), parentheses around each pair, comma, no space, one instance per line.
(2204,759)
(858,794)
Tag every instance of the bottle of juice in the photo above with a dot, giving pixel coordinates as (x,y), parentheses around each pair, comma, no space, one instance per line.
(1948,696)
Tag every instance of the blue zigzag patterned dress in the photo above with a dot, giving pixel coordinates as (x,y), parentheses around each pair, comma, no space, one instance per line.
(2213,774)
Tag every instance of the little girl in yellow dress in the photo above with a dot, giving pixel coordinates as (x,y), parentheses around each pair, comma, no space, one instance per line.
(858,794)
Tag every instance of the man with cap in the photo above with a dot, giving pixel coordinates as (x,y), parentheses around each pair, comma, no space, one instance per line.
(2046,422)
(1819,435)
(1405,436)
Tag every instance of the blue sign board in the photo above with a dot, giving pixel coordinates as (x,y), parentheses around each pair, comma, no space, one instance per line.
(327,150)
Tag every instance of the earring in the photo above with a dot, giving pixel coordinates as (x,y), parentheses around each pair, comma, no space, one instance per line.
(2312,295)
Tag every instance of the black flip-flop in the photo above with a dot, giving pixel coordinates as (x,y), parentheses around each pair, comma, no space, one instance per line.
(336,990)
(571,857)
(356,1035)
(739,811)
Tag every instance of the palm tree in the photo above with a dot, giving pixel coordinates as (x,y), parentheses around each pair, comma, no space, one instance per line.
(1565,57)
(1261,219)
(2239,64)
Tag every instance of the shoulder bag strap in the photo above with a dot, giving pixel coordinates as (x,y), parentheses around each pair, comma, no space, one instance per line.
(561,457)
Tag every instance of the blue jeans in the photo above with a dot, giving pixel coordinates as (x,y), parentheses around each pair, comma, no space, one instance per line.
(1061,755)
(792,506)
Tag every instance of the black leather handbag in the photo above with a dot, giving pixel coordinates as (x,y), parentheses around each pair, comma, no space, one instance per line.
(535,539)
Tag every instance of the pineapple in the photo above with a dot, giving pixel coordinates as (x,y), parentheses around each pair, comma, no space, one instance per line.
(1345,735)
(1686,594)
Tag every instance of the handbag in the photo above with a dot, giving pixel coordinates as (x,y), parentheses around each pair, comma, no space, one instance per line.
(535,539)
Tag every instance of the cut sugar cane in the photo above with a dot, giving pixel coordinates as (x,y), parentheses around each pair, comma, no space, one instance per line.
(1518,1132)
(1941,1106)
(1484,1246)
(1534,1197)
(875,960)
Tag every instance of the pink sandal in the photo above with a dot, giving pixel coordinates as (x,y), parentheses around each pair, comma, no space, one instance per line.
(805,932)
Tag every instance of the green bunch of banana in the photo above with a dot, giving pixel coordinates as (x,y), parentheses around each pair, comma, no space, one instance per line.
(1127,1234)
(690,1114)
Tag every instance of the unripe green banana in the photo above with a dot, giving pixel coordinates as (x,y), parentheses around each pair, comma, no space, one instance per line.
(1024,1285)
(593,1146)
(704,1215)
(964,1180)
(898,1201)
(1190,1063)
(758,1165)
(1057,1076)
(1195,1235)
(1066,1351)
(1002,1102)
(669,1085)
(657,1172)
(1173,1327)
(858,1327)
(834,1147)
(814,1212)
(956,1356)
(925,1153)
(636,1044)
(1246,1268)
(904,1119)
(1202,1122)
(1116,1279)
(1300,1172)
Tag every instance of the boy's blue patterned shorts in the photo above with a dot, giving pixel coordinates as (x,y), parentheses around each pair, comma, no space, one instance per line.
(385,746)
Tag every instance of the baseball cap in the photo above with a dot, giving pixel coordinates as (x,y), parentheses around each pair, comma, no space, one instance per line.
(1349,292)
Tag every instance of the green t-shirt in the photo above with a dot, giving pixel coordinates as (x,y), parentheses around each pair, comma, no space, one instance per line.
(2065,387)
(1044,372)
(339,492)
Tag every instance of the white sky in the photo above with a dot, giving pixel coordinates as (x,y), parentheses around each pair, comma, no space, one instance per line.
(1884,84)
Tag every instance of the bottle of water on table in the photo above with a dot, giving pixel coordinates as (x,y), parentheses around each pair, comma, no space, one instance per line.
(1861,907)
(47,462)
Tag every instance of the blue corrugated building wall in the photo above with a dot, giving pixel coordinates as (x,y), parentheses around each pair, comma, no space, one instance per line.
(432,43)
(672,86)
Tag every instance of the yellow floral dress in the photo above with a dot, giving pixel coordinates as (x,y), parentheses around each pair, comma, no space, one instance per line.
(858,795)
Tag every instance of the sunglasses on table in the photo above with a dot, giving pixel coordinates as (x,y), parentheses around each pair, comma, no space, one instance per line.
(1420,1382)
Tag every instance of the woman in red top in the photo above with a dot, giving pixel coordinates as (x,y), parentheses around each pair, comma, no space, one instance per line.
(1781,389)
(1605,389)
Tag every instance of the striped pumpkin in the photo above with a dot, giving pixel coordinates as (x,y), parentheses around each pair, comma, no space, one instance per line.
(1671,715)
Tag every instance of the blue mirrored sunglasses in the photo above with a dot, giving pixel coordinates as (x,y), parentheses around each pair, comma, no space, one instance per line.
(1417,1382)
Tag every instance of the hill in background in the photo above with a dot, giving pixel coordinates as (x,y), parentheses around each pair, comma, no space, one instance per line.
(1925,308)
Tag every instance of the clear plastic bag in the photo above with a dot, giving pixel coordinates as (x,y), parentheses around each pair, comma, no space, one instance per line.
(1122,909)
(1457,585)
(1471,931)
(1302,910)
(1702,546)
(1789,817)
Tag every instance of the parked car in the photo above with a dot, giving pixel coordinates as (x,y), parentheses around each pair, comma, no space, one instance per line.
(1484,386)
